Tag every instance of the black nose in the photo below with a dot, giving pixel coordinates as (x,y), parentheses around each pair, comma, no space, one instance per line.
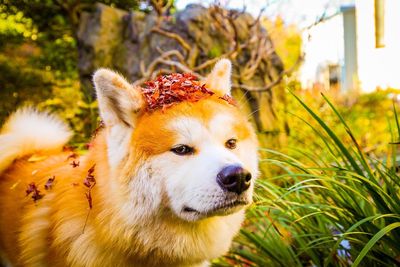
(234,179)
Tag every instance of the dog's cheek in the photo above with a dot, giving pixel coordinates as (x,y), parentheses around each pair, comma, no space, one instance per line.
(144,195)
(193,183)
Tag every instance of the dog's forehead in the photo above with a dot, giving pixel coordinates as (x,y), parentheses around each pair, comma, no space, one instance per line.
(189,123)
(191,126)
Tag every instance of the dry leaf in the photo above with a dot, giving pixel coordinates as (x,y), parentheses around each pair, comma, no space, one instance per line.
(36,158)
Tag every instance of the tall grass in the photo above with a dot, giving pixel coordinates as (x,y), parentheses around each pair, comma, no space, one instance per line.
(339,210)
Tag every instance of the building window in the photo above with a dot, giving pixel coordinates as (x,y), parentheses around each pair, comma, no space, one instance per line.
(379,23)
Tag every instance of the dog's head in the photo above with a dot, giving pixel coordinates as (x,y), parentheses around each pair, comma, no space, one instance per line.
(194,159)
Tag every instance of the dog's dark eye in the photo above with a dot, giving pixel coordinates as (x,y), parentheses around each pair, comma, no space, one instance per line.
(231,143)
(183,150)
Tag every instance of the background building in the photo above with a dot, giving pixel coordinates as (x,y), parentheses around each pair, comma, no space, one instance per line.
(357,48)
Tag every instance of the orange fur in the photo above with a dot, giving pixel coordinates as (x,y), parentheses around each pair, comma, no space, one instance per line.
(147,139)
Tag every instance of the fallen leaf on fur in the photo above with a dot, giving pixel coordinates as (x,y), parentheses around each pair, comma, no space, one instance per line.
(94,134)
(49,183)
(97,130)
(72,156)
(89,198)
(35,158)
(229,99)
(32,189)
(74,164)
(90,182)
(88,145)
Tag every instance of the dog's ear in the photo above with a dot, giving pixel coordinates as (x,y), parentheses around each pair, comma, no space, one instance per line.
(118,100)
(219,80)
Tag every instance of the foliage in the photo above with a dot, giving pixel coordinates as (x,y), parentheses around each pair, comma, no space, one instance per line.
(39,57)
(362,111)
(337,210)
(286,39)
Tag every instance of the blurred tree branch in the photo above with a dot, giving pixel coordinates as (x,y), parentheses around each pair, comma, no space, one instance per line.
(223,21)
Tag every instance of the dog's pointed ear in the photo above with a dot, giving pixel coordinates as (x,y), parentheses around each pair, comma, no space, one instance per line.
(219,80)
(118,100)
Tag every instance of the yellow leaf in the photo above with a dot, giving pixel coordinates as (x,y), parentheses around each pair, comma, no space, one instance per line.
(35,158)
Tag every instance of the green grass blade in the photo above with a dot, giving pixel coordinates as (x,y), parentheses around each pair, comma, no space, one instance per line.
(373,241)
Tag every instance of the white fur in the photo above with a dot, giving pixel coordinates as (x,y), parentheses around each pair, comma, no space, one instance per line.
(28,131)
(110,84)
(118,139)
(221,125)
(191,180)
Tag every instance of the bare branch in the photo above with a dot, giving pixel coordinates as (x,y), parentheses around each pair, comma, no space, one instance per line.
(273,83)
(172,35)
(180,66)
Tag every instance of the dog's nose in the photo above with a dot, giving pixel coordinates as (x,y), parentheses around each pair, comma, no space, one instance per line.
(234,179)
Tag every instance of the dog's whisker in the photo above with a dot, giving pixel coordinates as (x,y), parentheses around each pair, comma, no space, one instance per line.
(242,98)
(251,113)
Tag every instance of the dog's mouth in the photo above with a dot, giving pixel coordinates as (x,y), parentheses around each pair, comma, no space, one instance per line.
(222,208)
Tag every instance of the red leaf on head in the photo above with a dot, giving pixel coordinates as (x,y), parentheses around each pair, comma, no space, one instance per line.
(170,89)
(229,99)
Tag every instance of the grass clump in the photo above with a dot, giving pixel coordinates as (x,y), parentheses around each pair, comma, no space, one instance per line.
(340,209)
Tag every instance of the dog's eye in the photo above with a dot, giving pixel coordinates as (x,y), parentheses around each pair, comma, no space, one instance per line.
(183,150)
(231,143)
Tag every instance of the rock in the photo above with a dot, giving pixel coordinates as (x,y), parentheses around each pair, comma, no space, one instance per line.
(121,40)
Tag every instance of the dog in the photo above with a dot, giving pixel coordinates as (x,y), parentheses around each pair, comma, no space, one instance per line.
(160,186)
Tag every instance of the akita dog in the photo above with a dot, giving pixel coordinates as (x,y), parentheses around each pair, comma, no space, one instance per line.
(164,182)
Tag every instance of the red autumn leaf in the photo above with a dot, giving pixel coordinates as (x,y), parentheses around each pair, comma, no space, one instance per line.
(49,183)
(72,156)
(94,134)
(99,127)
(32,189)
(170,89)
(90,182)
(88,145)
(74,164)
(89,198)
(229,99)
